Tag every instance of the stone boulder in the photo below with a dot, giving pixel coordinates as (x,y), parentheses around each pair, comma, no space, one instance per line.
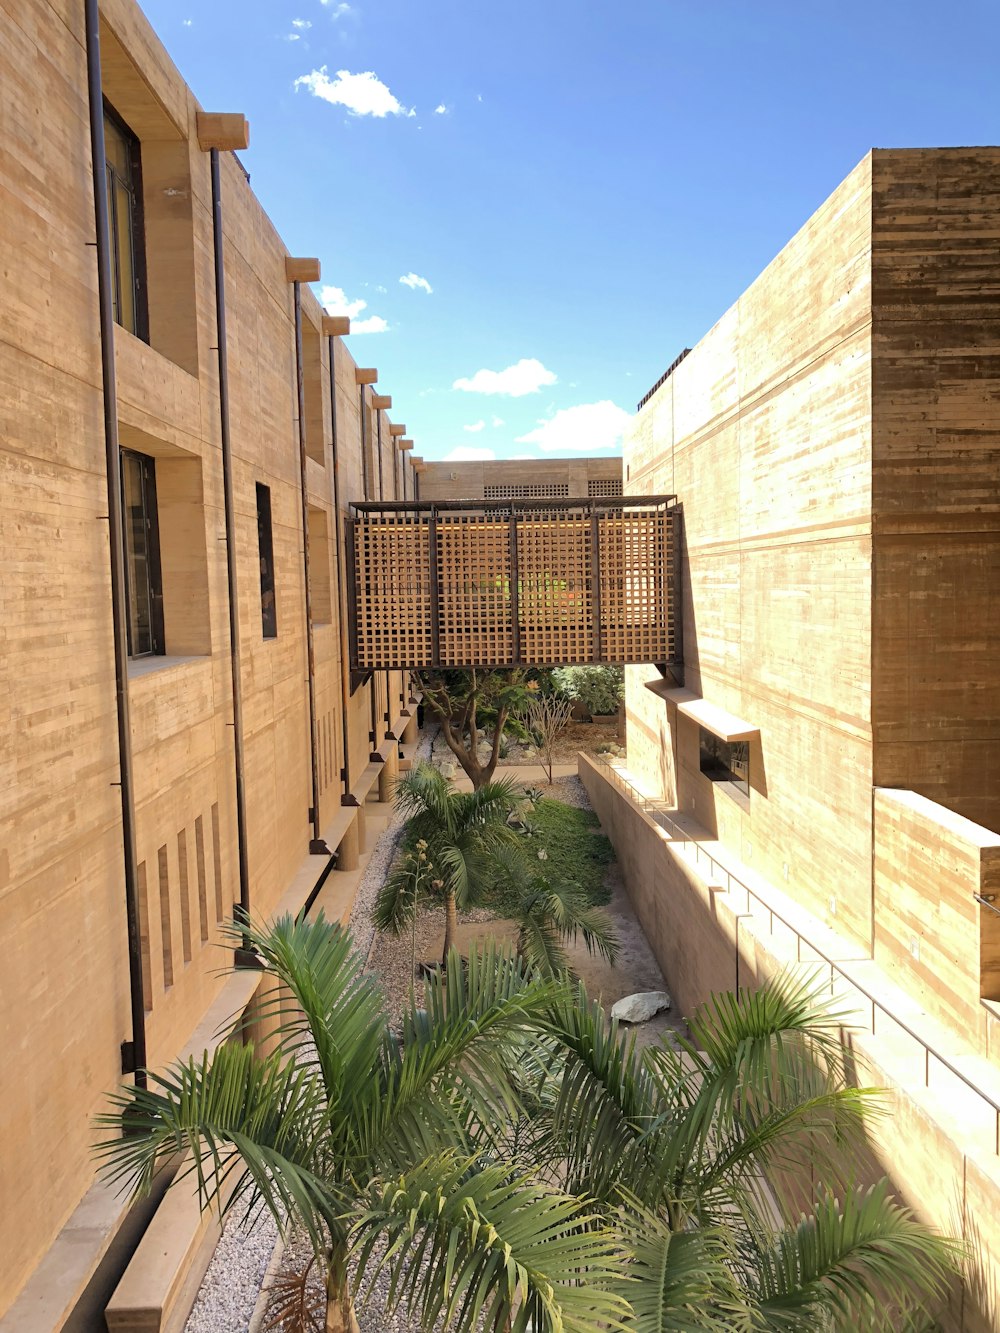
(640,1007)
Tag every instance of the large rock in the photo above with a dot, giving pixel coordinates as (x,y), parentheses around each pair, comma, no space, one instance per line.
(640,1007)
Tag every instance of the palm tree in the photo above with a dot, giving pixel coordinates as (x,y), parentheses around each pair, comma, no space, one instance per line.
(675,1144)
(374,1146)
(463,833)
(549,913)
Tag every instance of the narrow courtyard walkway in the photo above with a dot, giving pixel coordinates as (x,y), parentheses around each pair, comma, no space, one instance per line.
(230,1299)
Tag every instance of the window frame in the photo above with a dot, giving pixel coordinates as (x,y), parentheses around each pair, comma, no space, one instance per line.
(265,555)
(137,239)
(726,764)
(153,563)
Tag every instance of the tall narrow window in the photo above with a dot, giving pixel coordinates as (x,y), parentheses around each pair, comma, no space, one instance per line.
(128,255)
(268,609)
(142,556)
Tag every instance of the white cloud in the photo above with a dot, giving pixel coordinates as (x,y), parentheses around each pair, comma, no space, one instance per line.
(334,299)
(528,376)
(338,9)
(301,23)
(497,421)
(336,302)
(187,22)
(465,454)
(587,426)
(293,37)
(381,289)
(440,109)
(414,280)
(475,428)
(361,94)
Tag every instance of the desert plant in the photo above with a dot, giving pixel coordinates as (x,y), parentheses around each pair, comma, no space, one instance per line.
(469,705)
(546,716)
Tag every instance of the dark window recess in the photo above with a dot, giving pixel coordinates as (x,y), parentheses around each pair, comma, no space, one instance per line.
(142,556)
(725,761)
(128,249)
(268,609)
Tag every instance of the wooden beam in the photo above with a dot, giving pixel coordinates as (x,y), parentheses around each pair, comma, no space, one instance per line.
(225,130)
(369,376)
(301,270)
(405,444)
(397,430)
(336,325)
(381,400)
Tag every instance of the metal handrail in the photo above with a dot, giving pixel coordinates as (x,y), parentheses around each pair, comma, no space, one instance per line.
(877,1006)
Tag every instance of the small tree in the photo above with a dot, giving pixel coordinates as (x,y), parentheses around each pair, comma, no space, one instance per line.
(468,704)
(547,716)
(460,834)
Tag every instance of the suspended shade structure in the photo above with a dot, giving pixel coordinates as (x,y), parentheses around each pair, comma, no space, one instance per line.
(461,583)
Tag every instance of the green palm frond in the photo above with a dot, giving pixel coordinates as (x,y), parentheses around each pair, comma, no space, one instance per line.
(864,1264)
(258,1124)
(397,900)
(680,1282)
(338,1019)
(466,1244)
(456,1061)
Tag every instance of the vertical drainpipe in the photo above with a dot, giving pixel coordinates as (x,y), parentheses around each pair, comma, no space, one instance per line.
(317,846)
(230,131)
(134,1051)
(344,574)
(367,480)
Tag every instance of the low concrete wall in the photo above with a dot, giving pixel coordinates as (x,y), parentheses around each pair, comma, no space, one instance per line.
(938,1141)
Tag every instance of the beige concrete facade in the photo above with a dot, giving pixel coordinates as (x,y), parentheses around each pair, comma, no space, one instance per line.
(834,442)
(507,479)
(64,990)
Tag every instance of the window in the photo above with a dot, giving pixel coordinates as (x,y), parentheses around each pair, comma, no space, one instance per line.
(268,609)
(144,587)
(727,762)
(128,258)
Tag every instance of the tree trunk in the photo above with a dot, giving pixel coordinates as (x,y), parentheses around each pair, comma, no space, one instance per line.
(340,1317)
(450,927)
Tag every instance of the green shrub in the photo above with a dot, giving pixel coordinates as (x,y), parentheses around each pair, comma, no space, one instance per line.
(600,689)
(573,851)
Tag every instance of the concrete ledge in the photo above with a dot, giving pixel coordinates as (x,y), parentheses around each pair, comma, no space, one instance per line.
(160,1283)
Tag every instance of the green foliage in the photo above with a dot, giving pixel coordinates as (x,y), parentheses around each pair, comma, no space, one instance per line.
(514,1162)
(576,852)
(600,689)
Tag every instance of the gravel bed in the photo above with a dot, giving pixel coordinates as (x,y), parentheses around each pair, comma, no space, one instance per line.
(232,1282)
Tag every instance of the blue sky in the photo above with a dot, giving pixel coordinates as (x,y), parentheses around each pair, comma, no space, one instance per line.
(543,203)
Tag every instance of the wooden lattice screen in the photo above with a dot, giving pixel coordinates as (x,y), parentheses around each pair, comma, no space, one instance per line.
(543,583)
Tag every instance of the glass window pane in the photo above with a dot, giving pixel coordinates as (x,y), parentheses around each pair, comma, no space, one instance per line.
(125,258)
(137,556)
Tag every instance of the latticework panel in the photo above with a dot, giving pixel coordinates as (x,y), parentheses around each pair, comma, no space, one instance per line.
(437,585)
(392,592)
(527,490)
(598,486)
(637,596)
(473,561)
(554,588)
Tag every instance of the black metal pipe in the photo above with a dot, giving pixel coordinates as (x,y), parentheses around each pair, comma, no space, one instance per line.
(595,583)
(585,504)
(230,512)
(133,1059)
(316,846)
(343,575)
(364,446)
(515,590)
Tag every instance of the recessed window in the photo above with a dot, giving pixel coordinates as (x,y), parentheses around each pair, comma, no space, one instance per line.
(128,252)
(142,555)
(265,546)
(726,762)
